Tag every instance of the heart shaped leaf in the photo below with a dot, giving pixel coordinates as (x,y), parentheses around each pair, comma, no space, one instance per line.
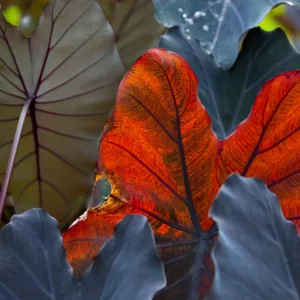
(217,24)
(149,146)
(253,229)
(229,95)
(66,74)
(34,266)
(163,160)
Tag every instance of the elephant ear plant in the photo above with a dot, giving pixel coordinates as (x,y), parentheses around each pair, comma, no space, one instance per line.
(33,262)
(56,90)
(200,138)
(257,255)
(163,160)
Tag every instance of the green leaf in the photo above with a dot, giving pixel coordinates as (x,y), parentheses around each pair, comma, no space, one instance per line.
(218,24)
(272,19)
(229,95)
(13,15)
(33,262)
(69,69)
(135,27)
(257,252)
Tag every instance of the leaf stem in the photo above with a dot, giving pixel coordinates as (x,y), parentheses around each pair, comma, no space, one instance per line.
(13,153)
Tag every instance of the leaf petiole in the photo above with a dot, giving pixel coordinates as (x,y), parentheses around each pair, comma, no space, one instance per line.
(13,153)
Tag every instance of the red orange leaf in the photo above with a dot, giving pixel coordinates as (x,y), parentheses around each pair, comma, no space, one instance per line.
(267,145)
(162,159)
(158,156)
(85,237)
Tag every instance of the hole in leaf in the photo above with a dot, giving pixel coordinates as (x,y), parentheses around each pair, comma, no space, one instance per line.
(102,190)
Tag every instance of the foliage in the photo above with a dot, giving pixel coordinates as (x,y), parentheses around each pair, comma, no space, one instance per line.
(286,17)
(66,77)
(132,40)
(88,62)
(257,252)
(34,266)
(217,24)
(228,95)
(163,152)
(163,160)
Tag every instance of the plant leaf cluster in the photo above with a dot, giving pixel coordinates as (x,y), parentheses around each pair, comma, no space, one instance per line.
(187,130)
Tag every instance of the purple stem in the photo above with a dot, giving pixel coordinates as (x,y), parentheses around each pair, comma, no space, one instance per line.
(13,153)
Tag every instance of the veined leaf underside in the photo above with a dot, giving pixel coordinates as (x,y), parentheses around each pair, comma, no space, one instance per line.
(68,70)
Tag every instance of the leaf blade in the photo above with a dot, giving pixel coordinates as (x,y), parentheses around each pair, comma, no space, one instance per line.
(257,212)
(212,21)
(72,98)
(125,18)
(229,95)
(272,152)
(129,183)
(175,132)
(173,204)
(33,254)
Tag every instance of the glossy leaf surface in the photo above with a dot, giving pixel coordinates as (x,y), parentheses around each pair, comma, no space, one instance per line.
(163,160)
(69,69)
(136,29)
(217,24)
(229,95)
(34,266)
(257,252)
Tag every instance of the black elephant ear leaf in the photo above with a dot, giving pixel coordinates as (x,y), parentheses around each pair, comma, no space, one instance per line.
(33,262)
(135,269)
(67,72)
(257,253)
(229,95)
(217,24)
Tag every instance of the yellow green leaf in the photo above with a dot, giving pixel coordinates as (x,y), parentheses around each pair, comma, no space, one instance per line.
(13,15)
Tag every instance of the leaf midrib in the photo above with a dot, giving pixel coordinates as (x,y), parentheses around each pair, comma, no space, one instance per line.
(33,95)
(189,202)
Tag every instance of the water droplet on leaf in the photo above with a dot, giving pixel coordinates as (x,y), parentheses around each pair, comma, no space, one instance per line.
(199,14)
(189,21)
